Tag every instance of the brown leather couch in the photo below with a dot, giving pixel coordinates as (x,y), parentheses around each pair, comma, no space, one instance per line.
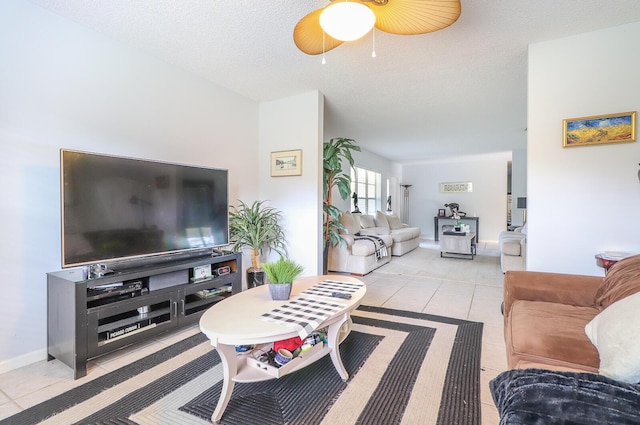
(545,315)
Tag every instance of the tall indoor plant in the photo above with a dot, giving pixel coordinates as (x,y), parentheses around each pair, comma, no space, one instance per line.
(334,153)
(257,227)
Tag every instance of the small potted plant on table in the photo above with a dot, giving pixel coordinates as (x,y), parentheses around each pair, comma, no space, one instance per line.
(281,274)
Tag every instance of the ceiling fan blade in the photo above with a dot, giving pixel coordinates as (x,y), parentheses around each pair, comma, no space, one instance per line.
(409,17)
(308,35)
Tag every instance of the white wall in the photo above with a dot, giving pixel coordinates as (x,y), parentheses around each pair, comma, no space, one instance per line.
(488,173)
(62,85)
(286,124)
(581,200)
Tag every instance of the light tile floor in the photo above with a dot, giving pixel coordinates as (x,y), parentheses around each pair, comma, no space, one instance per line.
(418,281)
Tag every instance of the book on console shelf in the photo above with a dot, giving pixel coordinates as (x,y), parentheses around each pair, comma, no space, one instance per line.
(454,233)
(206,293)
(125,330)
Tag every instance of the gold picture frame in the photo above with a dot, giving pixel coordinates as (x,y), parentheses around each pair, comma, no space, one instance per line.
(599,129)
(286,163)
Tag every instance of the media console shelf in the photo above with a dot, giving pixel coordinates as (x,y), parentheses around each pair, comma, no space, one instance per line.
(89,318)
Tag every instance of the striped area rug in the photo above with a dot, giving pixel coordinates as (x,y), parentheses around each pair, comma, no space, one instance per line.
(405,368)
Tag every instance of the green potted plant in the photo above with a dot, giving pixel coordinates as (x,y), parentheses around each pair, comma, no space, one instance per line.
(334,153)
(257,227)
(281,275)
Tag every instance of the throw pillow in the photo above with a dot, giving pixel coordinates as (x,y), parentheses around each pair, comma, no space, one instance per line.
(350,223)
(366,221)
(394,222)
(381,220)
(622,280)
(615,332)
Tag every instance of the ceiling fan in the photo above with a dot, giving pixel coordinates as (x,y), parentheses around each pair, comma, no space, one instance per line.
(402,17)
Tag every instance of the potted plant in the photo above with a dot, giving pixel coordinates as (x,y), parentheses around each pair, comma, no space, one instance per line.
(334,153)
(257,227)
(281,274)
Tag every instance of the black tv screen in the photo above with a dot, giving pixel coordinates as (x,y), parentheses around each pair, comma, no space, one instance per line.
(116,209)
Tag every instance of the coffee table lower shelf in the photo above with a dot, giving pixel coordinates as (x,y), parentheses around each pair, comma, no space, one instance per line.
(253,370)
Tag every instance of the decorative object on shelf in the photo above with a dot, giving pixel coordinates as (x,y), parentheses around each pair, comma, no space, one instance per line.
(355,203)
(256,227)
(455,210)
(334,153)
(456,187)
(441,212)
(405,202)
(322,30)
(522,203)
(281,275)
(599,129)
(286,163)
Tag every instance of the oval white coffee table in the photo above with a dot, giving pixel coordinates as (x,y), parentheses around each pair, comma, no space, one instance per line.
(238,320)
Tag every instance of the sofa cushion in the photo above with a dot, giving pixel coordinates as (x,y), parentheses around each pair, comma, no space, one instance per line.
(622,280)
(366,221)
(381,220)
(616,334)
(405,234)
(394,222)
(512,247)
(350,223)
(552,333)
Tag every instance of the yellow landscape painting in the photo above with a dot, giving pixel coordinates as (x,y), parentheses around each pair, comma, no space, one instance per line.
(614,128)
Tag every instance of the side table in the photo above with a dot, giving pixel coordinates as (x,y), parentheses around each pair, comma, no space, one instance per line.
(459,245)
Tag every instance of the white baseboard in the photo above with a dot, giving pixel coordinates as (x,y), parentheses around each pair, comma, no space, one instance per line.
(23,360)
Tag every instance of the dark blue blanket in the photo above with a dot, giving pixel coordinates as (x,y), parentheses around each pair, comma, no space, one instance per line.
(537,396)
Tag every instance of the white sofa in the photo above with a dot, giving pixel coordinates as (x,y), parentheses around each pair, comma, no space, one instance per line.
(405,238)
(358,255)
(513,249)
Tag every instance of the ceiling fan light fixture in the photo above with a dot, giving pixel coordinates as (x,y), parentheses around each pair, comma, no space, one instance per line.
(347,21)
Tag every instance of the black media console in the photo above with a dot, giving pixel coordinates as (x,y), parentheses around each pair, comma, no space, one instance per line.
(89,318)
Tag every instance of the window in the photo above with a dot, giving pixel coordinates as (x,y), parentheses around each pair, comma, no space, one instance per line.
(367,184)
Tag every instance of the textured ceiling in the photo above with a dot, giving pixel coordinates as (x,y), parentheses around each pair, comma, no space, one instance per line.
(458,91)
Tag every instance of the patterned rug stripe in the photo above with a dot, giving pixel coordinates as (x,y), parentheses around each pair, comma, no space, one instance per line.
(397,382)
(419,367)
(46,409)
(462,386)
(149,394)
(303,397)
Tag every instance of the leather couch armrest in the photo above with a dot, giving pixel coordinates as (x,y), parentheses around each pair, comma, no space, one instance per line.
(571,289)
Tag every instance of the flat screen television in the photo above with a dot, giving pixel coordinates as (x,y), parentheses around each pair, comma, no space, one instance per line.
(116,210)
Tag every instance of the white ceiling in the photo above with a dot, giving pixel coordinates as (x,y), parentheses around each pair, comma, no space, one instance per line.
(458,91)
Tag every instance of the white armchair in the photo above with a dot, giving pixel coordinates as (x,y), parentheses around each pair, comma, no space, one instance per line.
(513,249)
